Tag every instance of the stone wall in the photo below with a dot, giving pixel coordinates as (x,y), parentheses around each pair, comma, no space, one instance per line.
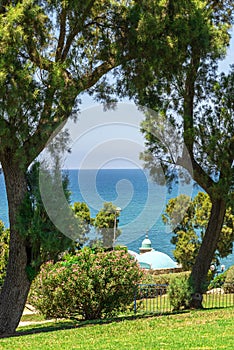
(161,271)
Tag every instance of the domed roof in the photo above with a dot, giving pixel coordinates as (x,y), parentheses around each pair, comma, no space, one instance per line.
(134,254)
(146,243)
(144,265)
(157,260)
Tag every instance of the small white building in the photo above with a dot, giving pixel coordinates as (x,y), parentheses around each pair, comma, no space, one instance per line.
(150,258)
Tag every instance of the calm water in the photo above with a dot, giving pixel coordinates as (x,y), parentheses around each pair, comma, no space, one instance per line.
(142,203)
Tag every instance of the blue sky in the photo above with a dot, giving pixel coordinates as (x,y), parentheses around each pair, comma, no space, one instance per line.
(225,64)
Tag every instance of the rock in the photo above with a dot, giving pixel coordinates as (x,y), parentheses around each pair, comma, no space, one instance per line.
(215,291)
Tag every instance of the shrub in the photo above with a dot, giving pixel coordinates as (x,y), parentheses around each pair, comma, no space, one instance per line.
(218,281)
(164,278)
(4,251)
(91,285)
(179,292)
(229,281)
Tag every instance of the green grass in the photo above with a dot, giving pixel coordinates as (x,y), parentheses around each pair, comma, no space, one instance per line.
(32,318)
(206,329)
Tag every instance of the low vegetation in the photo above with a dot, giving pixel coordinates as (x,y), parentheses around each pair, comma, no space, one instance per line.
(90,285)
(229,281)
(180,292)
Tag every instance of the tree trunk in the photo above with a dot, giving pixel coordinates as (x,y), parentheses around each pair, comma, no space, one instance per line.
(16,285)
(206,251)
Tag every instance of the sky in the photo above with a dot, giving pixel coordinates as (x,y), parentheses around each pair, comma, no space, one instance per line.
(111,139)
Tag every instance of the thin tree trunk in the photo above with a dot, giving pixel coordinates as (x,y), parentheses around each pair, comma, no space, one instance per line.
(16,285)
(206,251)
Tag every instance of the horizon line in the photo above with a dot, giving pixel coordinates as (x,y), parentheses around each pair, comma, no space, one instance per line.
(103,169)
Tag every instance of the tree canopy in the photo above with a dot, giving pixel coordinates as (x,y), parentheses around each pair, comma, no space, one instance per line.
(106,223)
(51,52)
(180,82)
(189,227)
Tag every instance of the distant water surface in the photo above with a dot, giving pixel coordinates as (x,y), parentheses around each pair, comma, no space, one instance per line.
(141,200)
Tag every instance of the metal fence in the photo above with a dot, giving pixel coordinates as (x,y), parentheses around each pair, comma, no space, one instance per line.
(217,298)
(153,298)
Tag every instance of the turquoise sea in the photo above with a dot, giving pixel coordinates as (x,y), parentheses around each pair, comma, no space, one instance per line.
(141,200)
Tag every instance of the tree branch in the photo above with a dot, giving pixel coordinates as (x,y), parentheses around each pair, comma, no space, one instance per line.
(62,34)
(75,31)
(199,175)
(47,125)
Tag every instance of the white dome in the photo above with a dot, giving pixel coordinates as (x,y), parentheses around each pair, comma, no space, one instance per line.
(134,254)
(157,260)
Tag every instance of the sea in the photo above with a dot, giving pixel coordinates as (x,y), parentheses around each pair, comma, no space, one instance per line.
(141,200)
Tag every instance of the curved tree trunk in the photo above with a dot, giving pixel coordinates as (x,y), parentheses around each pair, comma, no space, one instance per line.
(16,285)
(206,251)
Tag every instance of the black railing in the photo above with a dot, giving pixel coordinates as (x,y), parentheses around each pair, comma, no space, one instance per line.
(153,298)
(218,298)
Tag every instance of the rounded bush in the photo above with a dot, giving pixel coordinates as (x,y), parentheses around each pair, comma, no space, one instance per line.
(218,281)
(179,292)
(229,281)
(91,285)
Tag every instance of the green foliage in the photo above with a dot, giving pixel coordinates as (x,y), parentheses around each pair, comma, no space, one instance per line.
(189,219)
(4,251)
(164,278)
(91,285)
(84,222)
(225,243)
(106,223)
(189,125)
(44,241)
(82,211)
(180,292)
(50,53)
(229,281)
(218,281)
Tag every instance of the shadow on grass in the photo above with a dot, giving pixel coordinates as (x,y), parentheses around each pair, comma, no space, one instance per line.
(216,308)
(73,324)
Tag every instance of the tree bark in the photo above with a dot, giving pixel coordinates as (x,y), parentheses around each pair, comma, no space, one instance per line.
(16,285)
(206,252)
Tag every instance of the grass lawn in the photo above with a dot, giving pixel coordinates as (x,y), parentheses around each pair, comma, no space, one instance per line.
(207,329)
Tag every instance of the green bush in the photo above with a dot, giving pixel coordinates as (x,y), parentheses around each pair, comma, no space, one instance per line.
(179,292)
(218,281)
(4,251)
(164,278)
(229,281)
(91,285)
